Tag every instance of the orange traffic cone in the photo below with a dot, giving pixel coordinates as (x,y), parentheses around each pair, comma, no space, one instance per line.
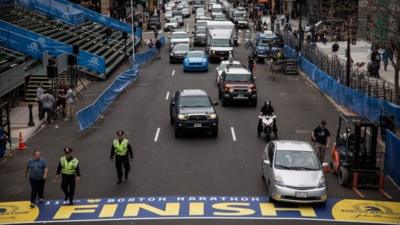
(21,145)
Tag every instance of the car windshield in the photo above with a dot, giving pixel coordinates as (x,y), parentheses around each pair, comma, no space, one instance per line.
(177,13)
(238,14)
(172,20)
(265,42)
(224,65)
(296,160)
(179,35)
(181,47)
(194,101)
(220,43)
(153,19)
(241,19)
(196,54)
(238,77)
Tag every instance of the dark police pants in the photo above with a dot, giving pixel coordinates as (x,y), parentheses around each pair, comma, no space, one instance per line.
(37,189)
(119,161)
(68,186)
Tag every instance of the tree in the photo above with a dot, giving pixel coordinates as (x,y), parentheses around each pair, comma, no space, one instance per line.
(388,20)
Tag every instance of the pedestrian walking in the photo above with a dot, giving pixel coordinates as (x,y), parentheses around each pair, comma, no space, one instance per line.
(4,138)
(158,47)
(120,149)
(251,64)
(321,137)
(69,100)
(68,167)
(386,56)
(39,93)
(150,43)
(48,102)
(37,170)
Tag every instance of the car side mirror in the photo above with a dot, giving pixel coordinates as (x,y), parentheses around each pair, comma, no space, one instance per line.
(255,78)
(215,103)
(267,162)
(173,103)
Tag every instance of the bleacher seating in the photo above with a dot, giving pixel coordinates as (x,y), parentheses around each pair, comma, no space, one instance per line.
(9,59)
(89,36)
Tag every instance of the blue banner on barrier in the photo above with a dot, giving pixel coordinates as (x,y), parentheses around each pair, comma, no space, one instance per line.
(34,45)
(89,115)
(392,156)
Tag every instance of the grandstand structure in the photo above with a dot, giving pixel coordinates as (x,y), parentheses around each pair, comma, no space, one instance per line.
(96,37)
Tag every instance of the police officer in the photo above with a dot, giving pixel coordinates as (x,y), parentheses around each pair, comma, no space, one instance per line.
(69,169)
(120,148)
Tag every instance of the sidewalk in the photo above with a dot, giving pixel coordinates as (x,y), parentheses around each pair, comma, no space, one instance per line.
(359,52)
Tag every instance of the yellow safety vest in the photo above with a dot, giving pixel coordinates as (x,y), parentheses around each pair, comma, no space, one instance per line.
(68,168)
(121,148)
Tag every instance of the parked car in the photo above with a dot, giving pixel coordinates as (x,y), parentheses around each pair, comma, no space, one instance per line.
(195,61)
(223,65)
(186,12)
(219,17)
(293,173)
(167,15)
(178,53)
(241,22)
(237,84)
(193,110)
(154,23)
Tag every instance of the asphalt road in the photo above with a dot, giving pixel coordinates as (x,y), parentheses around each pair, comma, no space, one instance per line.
(193,165)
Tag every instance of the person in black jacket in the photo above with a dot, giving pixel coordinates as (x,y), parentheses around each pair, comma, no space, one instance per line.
(122,150)
(267,110)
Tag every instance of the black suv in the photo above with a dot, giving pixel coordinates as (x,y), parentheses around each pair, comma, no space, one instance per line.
(154,23)
(193,110)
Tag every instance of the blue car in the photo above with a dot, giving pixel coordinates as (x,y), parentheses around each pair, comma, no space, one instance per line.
(195,61)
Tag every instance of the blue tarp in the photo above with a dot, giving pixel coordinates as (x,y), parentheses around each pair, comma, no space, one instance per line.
(392,156)
(88,116)
(34,45)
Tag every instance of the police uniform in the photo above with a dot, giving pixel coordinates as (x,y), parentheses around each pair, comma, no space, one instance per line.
(120,149)
(68,167)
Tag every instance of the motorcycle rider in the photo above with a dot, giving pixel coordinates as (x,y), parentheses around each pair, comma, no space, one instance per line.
(267,110)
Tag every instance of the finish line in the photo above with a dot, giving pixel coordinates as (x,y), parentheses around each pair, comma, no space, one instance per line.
(199,207)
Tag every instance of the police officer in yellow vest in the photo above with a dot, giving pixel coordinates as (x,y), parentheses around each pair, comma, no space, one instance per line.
(68,167)
(120,148)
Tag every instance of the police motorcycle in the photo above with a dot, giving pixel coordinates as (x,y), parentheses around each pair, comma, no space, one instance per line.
(267,124)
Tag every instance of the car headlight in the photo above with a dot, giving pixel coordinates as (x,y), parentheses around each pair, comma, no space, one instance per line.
(182,116)
(212,116)
(321,182)
(172,53)
(212,52)
(278,180)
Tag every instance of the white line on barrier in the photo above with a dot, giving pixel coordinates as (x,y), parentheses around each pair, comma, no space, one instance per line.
(157,133)
(233,134)
(187,27)
(173,73)
(167,96)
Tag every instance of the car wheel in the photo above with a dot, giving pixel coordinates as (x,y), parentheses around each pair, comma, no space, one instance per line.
(214,132)
(171,120)
(224,102)
(331,167)
(262,176)
(177,133)
(343,176)
(254,102)
(219,94)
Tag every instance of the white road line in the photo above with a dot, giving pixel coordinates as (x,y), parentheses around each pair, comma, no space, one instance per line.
(233,134)
(157,133)
(173,73)
(167,96)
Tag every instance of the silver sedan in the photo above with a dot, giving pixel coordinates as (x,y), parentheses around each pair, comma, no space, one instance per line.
(293,173)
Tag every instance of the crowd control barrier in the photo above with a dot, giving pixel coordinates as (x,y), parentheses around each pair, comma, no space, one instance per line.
(35,45)
(392,156)
(361,104)
(88,116)
(354,100)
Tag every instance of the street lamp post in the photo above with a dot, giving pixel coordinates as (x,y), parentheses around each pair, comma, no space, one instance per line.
(348,53)
(133,32)
(300,25)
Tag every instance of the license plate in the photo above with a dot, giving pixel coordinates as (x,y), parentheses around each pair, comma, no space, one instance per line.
(197,125)
(240,96)
(301,194)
